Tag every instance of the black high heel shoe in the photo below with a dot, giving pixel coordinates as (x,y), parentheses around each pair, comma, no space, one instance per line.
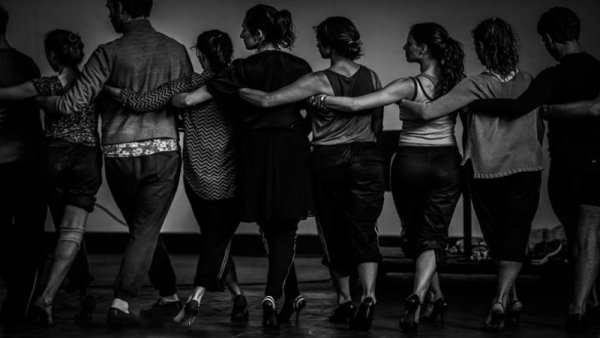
(513,314)
(408,322)
(289,307)
(88,304)
(41,314)
(270,320)
(364,315)
(496,318)
(239,312)
(188,314)
(576,322)
(343,313)
(440,307)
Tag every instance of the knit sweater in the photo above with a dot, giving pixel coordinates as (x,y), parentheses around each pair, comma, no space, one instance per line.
(141,60)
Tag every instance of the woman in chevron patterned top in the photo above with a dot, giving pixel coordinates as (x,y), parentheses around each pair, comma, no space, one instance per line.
(209,170)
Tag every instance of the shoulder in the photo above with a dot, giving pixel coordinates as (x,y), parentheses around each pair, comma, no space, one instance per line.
(26,63)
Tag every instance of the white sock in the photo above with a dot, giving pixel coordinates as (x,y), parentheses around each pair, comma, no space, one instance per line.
(120,304)
(169,299)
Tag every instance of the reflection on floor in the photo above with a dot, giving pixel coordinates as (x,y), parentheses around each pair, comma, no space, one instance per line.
(545,299)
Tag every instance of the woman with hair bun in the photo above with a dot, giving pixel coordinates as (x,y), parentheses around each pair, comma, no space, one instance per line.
(425,173)
(346,166)
(73,173)
(504,159)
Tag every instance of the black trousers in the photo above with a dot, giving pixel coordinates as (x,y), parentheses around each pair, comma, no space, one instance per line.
(22,217)
(218,220)
(505,208)
(279,238)
(426,185)
(143,188)
(348,186)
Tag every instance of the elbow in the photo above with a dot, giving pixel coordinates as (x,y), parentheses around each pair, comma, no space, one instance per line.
(187,101)
(353,107)
(266,102)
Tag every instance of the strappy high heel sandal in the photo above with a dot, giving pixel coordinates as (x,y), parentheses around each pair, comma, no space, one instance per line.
(188,314)
(270,320)
(496,318)
(513,313)
(364,315)
(41,314)
(440,306)
(289,307)
(239,312)
(408,322)
(343,313)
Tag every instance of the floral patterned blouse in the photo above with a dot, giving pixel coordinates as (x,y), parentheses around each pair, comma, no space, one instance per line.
(81,127)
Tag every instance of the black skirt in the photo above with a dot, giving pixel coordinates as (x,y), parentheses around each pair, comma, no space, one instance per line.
(275,175)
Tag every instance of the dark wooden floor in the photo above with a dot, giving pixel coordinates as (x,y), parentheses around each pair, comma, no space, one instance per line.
(469,296)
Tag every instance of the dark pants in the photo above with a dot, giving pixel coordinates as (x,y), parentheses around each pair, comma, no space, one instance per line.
(505,208)
(426,185)
(218,221)
(22,216)
(280,242)
(143,188)
(348,186)
(74,176)
(573,181)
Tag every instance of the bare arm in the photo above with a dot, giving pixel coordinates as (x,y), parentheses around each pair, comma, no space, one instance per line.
(186,100)
(48,103)
(303,88)
(461,95)
(580,109)
(393,92)
(23,91)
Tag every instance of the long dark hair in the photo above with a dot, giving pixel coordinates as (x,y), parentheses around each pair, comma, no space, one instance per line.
(447,51)
(216,47)
(496,45)
(66,46)
(341,35)
(277,26)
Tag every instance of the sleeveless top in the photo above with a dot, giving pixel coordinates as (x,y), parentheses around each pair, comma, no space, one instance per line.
(330,127)
(437,132)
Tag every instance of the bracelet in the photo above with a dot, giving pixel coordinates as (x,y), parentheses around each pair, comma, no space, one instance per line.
(322,102)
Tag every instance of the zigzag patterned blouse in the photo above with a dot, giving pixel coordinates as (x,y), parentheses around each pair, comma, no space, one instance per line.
(209,164)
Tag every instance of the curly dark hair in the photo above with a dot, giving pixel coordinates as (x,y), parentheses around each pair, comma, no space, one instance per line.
(561,23)
(277,26)
(341,35)
(136,8)
(66,46)
(496,45)
(447,51)
(216,47)
(4,16)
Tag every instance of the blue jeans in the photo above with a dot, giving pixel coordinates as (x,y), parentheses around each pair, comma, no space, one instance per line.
(143,188)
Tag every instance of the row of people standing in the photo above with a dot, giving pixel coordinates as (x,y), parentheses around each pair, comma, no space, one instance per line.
(346,167)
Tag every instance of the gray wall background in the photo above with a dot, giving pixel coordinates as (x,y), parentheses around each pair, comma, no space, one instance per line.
(383,24)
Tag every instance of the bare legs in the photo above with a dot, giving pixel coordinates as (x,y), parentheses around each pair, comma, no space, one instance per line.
(587,256)
(71,232)
(367,275)
(506,293)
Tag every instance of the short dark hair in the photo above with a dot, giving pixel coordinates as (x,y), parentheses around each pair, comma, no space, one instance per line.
(216,46)
(341,35)
(561,23)
(499,51)
(4,16)
(136,8)
(66,46)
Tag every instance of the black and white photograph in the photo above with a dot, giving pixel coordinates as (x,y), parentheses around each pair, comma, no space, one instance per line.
(299,168)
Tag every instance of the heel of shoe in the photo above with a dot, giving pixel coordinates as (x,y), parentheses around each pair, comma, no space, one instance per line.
(269,307)
(188,314)
(88,304)
(239,312)
(299,305)
(408,322)
(364,315)
(41,315)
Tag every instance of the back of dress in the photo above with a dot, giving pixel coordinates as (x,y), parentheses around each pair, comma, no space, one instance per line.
(266,71)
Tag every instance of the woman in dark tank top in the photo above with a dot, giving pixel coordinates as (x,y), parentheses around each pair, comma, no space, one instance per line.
(346,166)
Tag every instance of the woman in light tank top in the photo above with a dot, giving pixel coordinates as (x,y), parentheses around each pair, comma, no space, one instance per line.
(346,166)
(425,173)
